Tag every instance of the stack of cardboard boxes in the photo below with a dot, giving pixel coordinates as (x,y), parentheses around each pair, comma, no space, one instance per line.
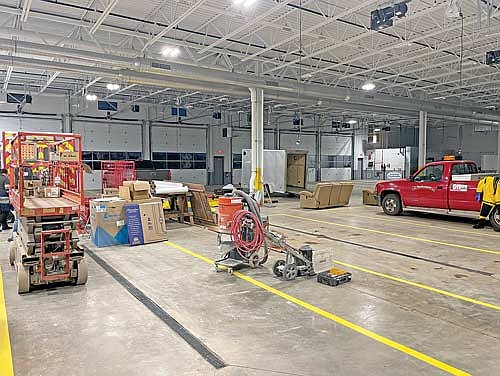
(34,188)
(134,190)
(130,217)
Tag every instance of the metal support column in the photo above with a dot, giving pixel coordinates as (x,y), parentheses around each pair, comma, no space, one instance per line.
(317,164)
(422,139)
(66,118)
(256,182)
(146,139)
(353,156)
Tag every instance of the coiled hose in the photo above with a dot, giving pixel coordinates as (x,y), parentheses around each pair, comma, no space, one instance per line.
(247,232)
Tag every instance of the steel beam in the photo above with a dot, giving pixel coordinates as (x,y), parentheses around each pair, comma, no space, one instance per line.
(49,82)
(246,25)
(26,10)
(103,16)
(328,21)
(173,24)
(7,77)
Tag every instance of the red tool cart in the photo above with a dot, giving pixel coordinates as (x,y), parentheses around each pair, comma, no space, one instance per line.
(46,190)
(114,173)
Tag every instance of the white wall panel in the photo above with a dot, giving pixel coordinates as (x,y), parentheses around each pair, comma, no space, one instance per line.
(242,139)
(307,142)
(335,174)
(176,138)
(30,124)
(335,145)
(190,176)
(92,181)
(269,140)
(109,136)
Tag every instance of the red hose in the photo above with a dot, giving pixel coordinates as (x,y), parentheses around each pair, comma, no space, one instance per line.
(242,219)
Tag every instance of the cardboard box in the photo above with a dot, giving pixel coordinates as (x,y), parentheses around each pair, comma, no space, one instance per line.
(110,192)
(107,222)
(369,198)
(52,192)
(69,156)
(32,184)
(145,223)
(134,190)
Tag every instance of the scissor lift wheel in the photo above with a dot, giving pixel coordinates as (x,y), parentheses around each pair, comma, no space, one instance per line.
(83,272)
(23,278)
(12,253)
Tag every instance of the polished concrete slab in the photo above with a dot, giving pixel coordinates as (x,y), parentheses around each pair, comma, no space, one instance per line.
(100,329)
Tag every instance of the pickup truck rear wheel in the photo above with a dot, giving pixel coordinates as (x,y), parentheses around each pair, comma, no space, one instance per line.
(495,218)
(391,204)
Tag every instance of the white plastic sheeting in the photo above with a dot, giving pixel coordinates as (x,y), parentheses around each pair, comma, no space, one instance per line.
(274,169)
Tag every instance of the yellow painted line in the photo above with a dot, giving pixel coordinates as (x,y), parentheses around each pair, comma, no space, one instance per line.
(391,234)
(6,368)
(420,285)
(339,320)
(414,223)
(415,284)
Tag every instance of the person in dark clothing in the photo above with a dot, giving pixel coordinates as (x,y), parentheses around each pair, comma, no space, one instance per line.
(5,206)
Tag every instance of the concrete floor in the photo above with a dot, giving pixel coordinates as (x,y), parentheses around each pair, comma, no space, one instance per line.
(100,329)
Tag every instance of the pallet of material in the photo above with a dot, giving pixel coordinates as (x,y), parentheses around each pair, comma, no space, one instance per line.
(200,204)
(48,203)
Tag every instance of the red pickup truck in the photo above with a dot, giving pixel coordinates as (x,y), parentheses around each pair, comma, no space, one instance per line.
(445,187)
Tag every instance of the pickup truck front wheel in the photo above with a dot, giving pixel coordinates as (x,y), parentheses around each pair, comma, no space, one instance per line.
(495,218)
(391,204)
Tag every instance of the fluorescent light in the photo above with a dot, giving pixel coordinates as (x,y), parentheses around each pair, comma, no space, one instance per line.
(91,97)
(245,3)
(377,130)
(368,86)
(439,98)
(112,87)
(170,51)
(352,121)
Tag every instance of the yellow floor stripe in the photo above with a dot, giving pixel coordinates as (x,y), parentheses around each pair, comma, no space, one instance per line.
(389,233)
(419,285)
(414,223)
(6,368)
(339,320)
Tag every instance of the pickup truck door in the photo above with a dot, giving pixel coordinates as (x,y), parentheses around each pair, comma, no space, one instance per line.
(428,189)
(462,192)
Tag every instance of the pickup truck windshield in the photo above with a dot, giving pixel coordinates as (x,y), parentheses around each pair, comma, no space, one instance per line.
(430,173)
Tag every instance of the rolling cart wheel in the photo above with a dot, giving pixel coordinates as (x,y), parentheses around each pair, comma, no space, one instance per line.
(83,272)
(12,253)
(278,268)
(230,271)
(290,272)
(253,260)
(219,240)
(23,279)
(217,270)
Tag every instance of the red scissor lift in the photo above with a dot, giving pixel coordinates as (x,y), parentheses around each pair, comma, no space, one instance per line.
(45,249)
